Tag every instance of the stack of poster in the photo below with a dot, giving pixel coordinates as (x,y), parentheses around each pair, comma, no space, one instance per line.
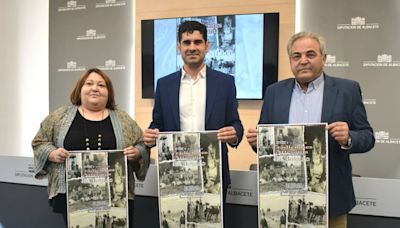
(190,180)
(97,193)
(293,175)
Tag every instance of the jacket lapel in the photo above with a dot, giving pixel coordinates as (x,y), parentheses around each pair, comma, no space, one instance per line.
(211,91)
(330,93)
(174,98)
(283,105)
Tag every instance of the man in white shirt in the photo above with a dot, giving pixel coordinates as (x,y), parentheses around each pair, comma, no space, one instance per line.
(197,98)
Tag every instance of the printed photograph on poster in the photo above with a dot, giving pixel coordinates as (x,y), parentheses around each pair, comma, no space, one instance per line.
(115,217)
(293,173)
(308,210)
(117,175)
(315,144)
(187,147)
(75,166)
(82,219)
(194,176)
(204,211)
(210,162)
(289,139)
(265,141)
(273,210)
(298,171)
(88,193)
(266,174)
(180,179)
(282,173)
(165,147)
(99,197)
(95,164)
(173,211)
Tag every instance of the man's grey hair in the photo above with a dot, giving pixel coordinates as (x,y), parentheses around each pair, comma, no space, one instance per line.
(320,39)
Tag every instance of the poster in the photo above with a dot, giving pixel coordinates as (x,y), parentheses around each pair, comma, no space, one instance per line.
(189,177)
(97,190)
(293,175)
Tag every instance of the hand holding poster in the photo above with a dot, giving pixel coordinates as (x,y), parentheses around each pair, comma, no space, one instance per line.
(189,169)
(293,175)
(97,189)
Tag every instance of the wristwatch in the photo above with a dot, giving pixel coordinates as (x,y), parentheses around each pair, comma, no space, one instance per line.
(349,142)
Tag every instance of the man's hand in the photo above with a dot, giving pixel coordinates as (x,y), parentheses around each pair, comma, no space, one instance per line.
(150,137)
(340,132)
(227,135)
(252,137)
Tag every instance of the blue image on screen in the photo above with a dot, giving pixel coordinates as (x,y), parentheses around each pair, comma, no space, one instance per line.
(164,48)
(236,49)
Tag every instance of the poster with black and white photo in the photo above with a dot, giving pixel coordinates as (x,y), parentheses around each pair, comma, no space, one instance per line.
(97,193)
(189,177)
(292,175)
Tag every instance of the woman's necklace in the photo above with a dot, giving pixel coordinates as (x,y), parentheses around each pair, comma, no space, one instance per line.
(99,134)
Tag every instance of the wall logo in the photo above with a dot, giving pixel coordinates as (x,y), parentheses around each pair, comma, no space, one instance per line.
(139,185)
(72,67)
(26,173)
(381,135)
(369,101)
(111,65)
(366,202)
(358,23)
(383,138)
(110,3)
(240,192)
(91,34)
(71,6)
(331,62)
(384,60)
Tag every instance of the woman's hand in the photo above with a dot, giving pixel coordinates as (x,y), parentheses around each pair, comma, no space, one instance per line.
(132,153)
(58,156)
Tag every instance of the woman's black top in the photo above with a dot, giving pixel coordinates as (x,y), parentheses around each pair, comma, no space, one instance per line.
(82,128)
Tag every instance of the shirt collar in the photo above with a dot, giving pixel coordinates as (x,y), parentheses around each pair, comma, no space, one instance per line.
(202,73)
(312,85)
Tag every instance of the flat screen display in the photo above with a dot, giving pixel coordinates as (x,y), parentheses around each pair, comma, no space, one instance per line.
(244,46)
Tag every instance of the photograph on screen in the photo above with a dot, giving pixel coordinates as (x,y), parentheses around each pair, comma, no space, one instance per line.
(235,49)
(243,45)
